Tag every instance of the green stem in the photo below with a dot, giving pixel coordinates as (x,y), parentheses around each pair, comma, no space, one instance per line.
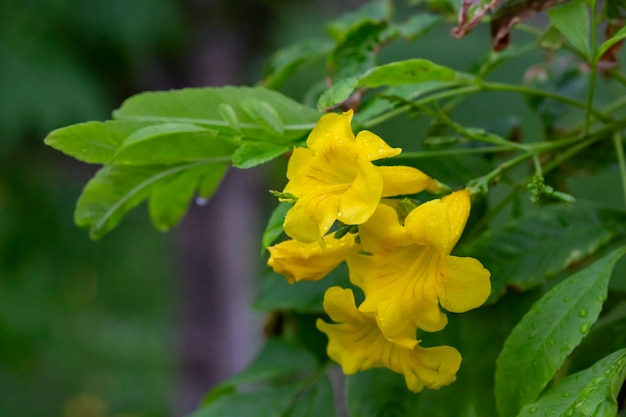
(618,143)
(448,152)
(592,73)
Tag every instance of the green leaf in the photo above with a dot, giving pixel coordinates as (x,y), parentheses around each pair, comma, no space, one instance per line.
(591,392)
(315,401)
(373,11)
(270,401)
(171,143)
(525,252)
(274,227)
(606,45)
(275,293)
(251,154)
(548,333)
(170,199)
(572,20)
(93,142)
(115,189)
(206,107)
(379,392)
(287,61)
(408,72)
(417,25)
(278,358)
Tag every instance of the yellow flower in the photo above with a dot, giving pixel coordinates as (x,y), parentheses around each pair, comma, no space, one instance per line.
(334,178)
(408,271)
(299,261)
(357,344)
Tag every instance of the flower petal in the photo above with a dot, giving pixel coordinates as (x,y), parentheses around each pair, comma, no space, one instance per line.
(299,261)
(307,221)
(464,284)
(356,343)
(383,230)
(439,222)
(331,129)
(358,203)
(299,159)
(372,147)
(403,180)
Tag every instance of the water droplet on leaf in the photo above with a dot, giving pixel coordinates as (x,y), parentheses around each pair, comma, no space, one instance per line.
(583,312)
(584,328)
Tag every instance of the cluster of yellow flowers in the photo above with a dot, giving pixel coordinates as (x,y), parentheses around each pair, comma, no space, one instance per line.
(401,261)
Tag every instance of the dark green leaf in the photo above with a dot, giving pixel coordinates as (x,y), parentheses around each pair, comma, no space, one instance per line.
(380,392)
(270,401)
(572,20)
(115,189)
(170,199)
(374,11)
(591,392)
(529,249)
(251,154)
(417,25)
(275,293)
(287,61)
(548,333)
(171,143)
(206,107)
(93,142)
(278,358)
(315,401)
(620,35)
(409,72)
(274,227)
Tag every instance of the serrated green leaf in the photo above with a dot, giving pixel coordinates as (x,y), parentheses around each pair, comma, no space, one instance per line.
(277,358)
(380,392)
(229,114)
(591,392)
(526,251)
(265,115)
(287,61)
(115,189)
(606,45)
(201,106)
(315,401)
(170,197)
(572,20)
(274,227)
(548,333)
(251,154)
(171,143)
(275,293)
(408,72)
(93,142)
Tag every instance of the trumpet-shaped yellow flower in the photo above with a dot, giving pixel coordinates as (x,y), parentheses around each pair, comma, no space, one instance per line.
(299,261)
(333,178)
(357,344)
(408,272)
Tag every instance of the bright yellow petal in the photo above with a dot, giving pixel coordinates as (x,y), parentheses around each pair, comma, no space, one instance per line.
(372,147)
(403,180)
(299,261)
(331,129)
(300,158)
(356,343)
(358,203)
(439,222)
(464,284)
(383,230)
(307,221)
(400,287)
